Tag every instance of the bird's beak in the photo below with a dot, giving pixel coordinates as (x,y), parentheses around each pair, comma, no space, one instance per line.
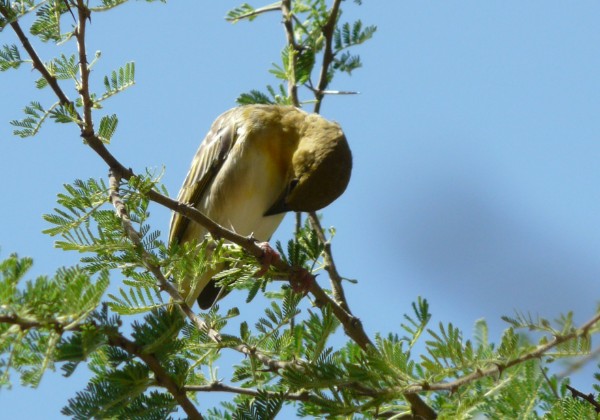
(279,206)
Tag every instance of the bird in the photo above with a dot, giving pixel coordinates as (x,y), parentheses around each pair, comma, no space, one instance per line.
(256,163)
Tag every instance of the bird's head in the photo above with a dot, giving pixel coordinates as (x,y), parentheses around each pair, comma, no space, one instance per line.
(321,167)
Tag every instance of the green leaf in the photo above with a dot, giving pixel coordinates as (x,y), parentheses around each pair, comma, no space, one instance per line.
(119,80)
(263,406)
(48,308)
(35,117)
(65,68)
(108,125)
(64,114)
(78,203)
(351,35)
(415,327)
(139,300)
(245,11)
(253,97)
(107,5)
(347,62)
(305,61)
(47,23)
(10,58)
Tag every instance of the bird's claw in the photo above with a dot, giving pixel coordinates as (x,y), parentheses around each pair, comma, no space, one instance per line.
(301,280)
(269,257)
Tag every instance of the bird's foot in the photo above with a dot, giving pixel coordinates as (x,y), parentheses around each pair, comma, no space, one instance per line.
(301,280)
(269,256)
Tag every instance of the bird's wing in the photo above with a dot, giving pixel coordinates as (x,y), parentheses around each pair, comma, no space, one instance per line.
(207,162)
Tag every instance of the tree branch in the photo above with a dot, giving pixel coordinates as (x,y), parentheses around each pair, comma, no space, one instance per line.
(83,14)
(589,397)
(38,64)
(334,276)
(148,260)
(286,11)
(116,339)
(498,368)
(27,324)
(162,377)
(328,30)
(167,286)
(220,387)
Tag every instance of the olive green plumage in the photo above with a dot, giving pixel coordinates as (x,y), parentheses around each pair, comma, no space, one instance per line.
(256,163)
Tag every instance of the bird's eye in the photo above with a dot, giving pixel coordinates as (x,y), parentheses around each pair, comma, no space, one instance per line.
(293,184)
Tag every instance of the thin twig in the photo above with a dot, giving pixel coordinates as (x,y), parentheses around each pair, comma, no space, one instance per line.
(83,14)
(27,324)
(118,340)
(328,30)
(256,12)
(498,368)
(167,286)
(148,260)
(286,11)
(334,276)
(549,382)
(586,397)
(220,387)
(161,375)
(38,64)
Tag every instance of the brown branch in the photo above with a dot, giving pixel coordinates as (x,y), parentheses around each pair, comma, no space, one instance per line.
(148,260)
(38,64)
(220,387)
(164,284)
(549,382)
(160,374)
(273,364)
(498,368)
(116,339)
(589,397)
(23,323)
(286,11)
(83,13)
(328,30)
(334,276)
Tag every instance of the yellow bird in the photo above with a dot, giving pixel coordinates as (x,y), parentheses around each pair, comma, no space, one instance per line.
(256,163)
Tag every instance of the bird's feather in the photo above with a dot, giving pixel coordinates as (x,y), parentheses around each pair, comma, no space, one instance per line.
(207,162)
(256,163)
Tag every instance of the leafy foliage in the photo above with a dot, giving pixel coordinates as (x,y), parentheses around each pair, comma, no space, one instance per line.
(300,55)
(42,311)
(119,80)
(245,11)
(47,23)
(279,96)
(31,124)
(108,125)
(10,57)
(348,36)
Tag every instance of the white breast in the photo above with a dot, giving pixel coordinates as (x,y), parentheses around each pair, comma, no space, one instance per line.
(246,186)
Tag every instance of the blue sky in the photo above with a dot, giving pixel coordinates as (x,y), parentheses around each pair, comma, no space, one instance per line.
(475,140)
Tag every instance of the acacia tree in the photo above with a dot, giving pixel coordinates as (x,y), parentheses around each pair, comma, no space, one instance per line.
(149,352)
